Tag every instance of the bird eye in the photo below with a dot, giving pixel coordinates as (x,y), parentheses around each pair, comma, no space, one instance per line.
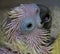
(27,24)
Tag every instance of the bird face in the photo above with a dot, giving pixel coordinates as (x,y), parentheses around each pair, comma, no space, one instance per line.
(25,25)
(31,18)
(27,17)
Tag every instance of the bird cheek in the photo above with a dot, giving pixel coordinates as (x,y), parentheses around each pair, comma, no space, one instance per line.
(38,21)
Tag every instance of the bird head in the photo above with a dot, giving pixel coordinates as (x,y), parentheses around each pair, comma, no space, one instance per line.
(28,24)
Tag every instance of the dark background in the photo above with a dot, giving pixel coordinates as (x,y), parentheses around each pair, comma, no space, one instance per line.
(12,3)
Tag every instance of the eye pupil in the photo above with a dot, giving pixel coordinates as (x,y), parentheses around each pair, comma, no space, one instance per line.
(29,25)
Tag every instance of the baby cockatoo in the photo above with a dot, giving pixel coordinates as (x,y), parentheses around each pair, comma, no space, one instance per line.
(28,30)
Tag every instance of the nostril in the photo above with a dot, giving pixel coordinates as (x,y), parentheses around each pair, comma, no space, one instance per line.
(29,25)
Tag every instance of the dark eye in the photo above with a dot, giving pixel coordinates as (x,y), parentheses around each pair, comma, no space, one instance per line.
(46,18)
(27,24)
(45,14)
(47,21)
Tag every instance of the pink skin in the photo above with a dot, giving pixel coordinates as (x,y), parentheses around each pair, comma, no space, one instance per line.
(33,39)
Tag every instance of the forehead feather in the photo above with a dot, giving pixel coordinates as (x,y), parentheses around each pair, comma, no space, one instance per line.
(27,6)
(24,10)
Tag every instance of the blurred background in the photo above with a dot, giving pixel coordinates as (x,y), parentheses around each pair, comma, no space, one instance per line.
(4,4)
